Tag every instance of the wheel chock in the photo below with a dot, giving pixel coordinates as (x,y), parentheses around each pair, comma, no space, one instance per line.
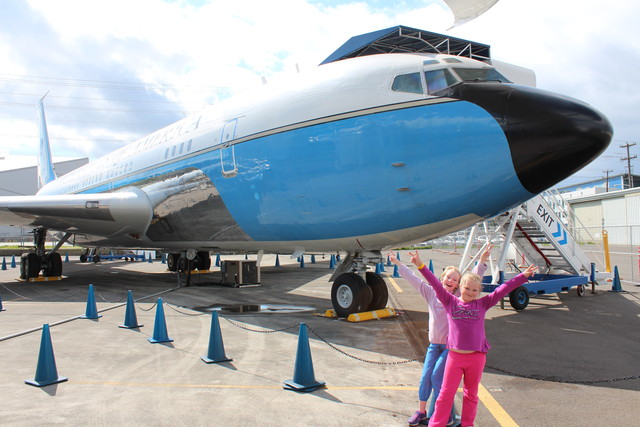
(41,279)
(327,313)
(370,315)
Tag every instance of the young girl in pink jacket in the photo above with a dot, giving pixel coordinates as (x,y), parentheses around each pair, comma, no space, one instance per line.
(436,355)
(467,342)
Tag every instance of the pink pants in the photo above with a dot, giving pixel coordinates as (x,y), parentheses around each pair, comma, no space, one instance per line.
(458,365)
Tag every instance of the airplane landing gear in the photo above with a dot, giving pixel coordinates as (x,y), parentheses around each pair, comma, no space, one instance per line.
(356,290)
(33,262)
(182,262)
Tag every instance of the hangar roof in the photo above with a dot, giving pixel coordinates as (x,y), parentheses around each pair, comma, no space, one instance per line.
(402,39)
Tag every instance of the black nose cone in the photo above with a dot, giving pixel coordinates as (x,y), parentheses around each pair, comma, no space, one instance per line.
(550,136)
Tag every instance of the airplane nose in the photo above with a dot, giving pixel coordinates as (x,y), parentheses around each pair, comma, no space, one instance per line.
(550,136)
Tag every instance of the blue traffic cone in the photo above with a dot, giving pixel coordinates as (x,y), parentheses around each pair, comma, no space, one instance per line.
(378,268)
(1,307)
(332,262)
(13,261)
(217,260)
(92,310)
(46,371)
(398,255)
(130,318)
(338,258)
(395,271)
(302,261)
(164,259)
(159,326)
(150,260)
(382,270)
(303,375)
(277,261)
(4,263)
(215,353)
(66,257)
(389,261)
(313,259)
(616,286)
(431,266)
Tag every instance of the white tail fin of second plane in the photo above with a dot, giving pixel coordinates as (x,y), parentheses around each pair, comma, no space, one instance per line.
(46,172)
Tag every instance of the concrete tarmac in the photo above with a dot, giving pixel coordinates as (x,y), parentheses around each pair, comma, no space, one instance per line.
(565,360)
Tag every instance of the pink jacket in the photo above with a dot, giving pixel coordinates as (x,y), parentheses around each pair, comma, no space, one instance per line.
(438,324)
(466,320)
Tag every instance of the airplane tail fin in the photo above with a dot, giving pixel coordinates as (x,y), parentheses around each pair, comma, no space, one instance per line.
(46,172)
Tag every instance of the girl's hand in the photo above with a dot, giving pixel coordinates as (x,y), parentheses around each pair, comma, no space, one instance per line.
(415,259)
(486,254)
(394,259)
(529,271)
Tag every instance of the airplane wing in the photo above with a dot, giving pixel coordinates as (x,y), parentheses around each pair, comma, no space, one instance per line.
(103,214)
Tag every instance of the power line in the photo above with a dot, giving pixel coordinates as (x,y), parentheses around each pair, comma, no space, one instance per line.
(106,84)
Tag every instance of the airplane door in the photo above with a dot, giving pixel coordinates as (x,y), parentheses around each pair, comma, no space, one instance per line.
(227,151)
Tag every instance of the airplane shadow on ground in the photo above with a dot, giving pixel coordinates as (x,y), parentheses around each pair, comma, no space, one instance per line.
(592,340)
(287,284)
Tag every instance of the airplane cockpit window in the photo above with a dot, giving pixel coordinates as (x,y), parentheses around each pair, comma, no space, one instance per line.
(407,83)
(439,79)
(452,60)
(480,75)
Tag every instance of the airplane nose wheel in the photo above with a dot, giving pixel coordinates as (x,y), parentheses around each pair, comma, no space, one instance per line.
(350,294)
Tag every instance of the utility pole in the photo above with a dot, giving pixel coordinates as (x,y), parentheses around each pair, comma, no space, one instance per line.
(607,179)
(628,145)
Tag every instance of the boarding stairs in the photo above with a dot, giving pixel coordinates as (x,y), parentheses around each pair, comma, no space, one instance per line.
(539,231)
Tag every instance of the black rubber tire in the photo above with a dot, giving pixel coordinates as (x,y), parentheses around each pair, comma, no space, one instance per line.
(204,261)
(23,266)
(53,267)
(519,298)
(350,294)
(172,262)
(379,291)
(182,265)
(32,265)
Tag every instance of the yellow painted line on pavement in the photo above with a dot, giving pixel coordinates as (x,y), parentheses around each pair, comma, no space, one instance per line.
(494,407)
(395,285)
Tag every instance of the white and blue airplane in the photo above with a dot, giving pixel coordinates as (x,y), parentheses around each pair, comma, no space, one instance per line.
(360,155)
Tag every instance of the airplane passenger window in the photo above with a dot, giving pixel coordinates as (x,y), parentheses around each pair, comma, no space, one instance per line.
(480,75)
(407,83)
(439,79)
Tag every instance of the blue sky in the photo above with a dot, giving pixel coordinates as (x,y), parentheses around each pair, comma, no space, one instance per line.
(117,70)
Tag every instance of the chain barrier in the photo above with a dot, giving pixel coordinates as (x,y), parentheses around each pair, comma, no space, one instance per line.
(359,358)
(150,308)
(174,308)
(16,294)
(260,331)
(555,380)
(106,300)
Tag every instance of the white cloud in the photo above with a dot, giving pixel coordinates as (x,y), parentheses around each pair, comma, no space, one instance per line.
(198,52)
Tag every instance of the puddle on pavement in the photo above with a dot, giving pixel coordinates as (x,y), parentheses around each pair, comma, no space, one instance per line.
(255,308)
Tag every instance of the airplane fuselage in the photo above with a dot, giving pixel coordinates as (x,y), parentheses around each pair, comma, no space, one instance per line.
(338,160)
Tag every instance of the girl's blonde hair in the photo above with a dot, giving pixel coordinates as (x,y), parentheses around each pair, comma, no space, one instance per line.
(471,277)
(446,270)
